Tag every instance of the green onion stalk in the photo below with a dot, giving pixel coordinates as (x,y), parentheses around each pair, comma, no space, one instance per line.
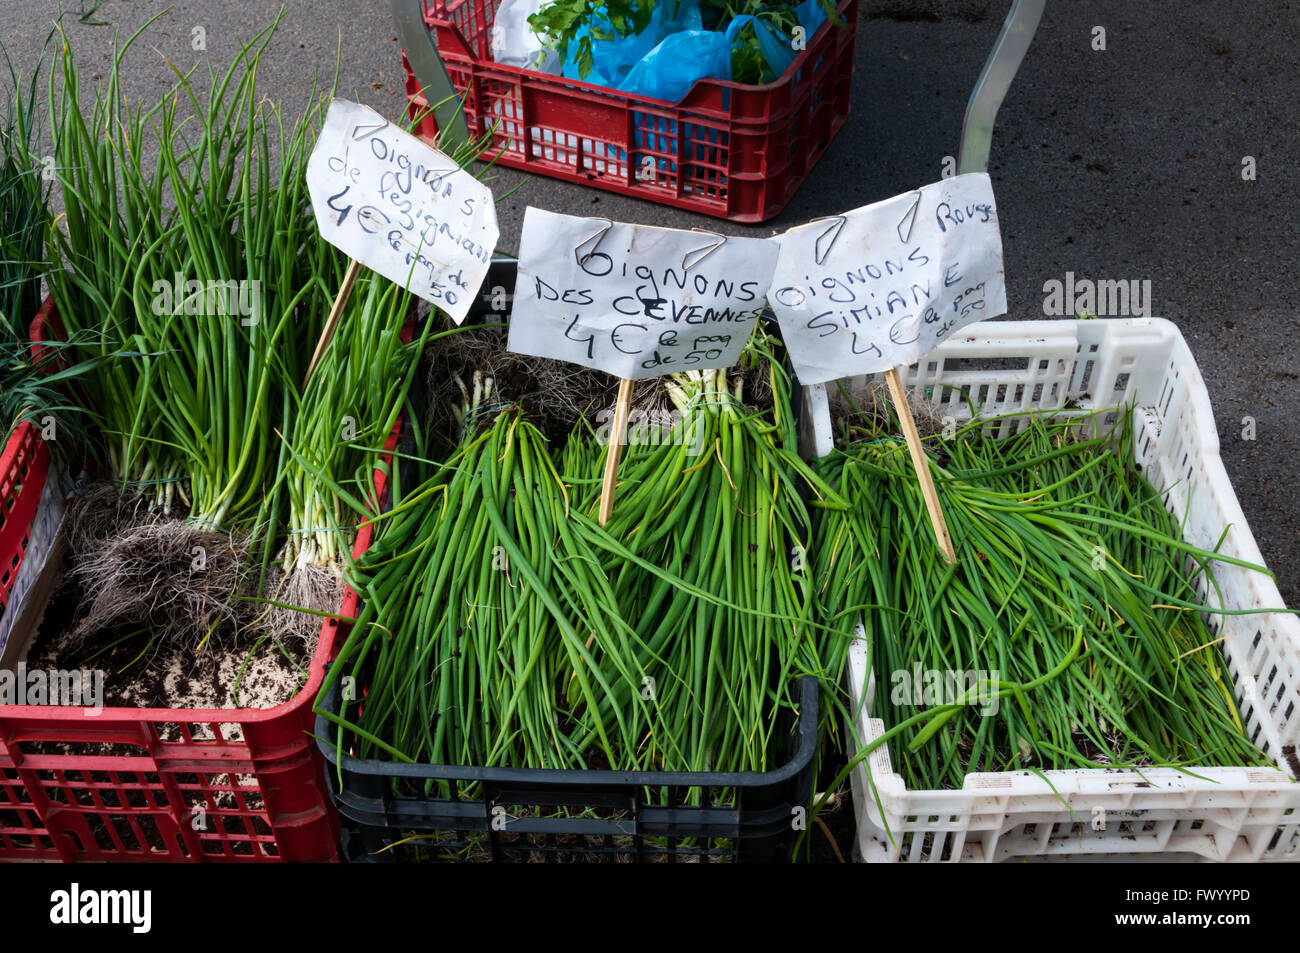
(484,616)
(352,403)
(201,276)
(197,285)
(708,554)
(32,382)
(24,213)
(1069,634)
(338,428)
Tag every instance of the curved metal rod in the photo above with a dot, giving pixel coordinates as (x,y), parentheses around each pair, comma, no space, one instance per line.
(431,73)
(1018,31)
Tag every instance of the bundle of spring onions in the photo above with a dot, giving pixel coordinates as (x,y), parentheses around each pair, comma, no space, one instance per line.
(199,285)
(337,431)
(205,285)
(706,552)
(1069,620)
(483,619)
(31,383)
(502,625)
(24,213)
(200,277)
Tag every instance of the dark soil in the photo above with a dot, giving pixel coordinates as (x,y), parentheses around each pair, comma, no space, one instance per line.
(143,671)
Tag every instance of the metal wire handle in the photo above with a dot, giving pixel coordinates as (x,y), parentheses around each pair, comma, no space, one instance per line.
(1000,69)
(431,73)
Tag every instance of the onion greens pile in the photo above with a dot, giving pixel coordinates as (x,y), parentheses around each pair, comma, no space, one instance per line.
(196,285)
(1070,600)
(31,381)
(199,284)
(718,510)
(200,276)
(501,625)
(24,214)
(483,619)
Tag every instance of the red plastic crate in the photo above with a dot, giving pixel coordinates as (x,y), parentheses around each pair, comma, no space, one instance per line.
(133,784)
(23,467)
(727,150)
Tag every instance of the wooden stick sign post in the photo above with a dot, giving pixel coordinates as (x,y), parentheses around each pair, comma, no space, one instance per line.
(401,208)
(635,301)
(618,437)
(879,287)
(332,322)
(921,464)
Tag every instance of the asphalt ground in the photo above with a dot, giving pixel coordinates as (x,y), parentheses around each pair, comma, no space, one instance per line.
(1124,163)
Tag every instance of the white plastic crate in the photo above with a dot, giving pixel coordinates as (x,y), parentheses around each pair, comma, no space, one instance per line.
(1235,813)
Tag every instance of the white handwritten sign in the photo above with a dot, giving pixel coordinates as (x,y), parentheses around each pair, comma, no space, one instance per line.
(880,286)
(635,300)
(401,208)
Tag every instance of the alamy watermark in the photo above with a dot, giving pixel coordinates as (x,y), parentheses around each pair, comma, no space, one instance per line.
(652,428)
(931,687)
(1104,299)
(87,906)
(74,688)
(241,298)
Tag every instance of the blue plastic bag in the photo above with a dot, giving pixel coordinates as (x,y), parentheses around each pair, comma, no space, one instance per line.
(673,67)
(811,16)
(667,58)
(775,48)
(614,59)
(670,69)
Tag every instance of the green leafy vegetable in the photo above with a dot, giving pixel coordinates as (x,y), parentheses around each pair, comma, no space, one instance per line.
(572,27)
(565,22)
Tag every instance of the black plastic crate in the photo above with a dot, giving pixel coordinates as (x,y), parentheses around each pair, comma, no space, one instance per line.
(530,815)
(523,814)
